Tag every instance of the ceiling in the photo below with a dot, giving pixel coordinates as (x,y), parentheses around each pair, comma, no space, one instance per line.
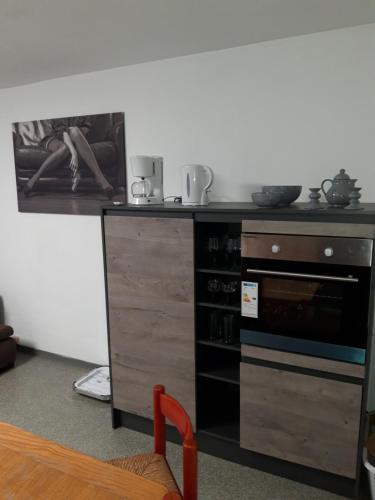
(43,39)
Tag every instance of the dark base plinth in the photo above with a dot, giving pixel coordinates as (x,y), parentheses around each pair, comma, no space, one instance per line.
(231,451)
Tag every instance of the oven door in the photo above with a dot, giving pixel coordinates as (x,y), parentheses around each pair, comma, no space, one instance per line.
(310,308)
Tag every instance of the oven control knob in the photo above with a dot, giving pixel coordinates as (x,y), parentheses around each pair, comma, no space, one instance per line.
(328,252)
(275,248)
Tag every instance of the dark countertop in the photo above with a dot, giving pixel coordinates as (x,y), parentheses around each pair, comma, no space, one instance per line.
(367,208)
(296,211)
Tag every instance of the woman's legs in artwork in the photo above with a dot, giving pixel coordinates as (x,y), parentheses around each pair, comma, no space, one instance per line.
(59,153)
(85,151)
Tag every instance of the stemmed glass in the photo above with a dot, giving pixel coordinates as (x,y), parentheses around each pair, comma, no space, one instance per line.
(213,250)
(214,288)
(214,325)
(229,290)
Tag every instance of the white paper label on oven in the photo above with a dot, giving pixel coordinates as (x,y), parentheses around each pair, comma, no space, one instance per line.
(249,299)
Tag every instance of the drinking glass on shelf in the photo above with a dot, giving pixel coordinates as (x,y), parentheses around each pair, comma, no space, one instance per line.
(237,253)
(229,252)
(214,289)
(223,250)
(229,328)
(213,251)
(214,325)
(229,288)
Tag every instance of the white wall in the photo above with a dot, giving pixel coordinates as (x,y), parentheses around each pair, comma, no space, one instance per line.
(287,111)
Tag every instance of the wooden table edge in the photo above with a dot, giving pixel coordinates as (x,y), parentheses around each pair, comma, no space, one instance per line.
(82,466)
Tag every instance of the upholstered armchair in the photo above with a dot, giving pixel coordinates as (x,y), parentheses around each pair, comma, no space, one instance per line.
(8,347)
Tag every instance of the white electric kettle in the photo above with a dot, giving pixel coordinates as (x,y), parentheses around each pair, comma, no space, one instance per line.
(196,180)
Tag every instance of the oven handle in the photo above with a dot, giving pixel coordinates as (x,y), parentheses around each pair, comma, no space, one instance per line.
(303,275)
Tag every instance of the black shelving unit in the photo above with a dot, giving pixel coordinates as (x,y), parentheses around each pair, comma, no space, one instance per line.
(218,305)
(218,409)
(229,431)
(223,272)
(229,374)
(218,390)
(220,345)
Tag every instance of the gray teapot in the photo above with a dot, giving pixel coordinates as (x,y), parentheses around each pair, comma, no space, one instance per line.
(341,187)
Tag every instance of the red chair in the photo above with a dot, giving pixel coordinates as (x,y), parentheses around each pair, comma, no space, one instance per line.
(154,466)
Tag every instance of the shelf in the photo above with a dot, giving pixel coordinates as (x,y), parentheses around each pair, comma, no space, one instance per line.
(229,375)
(218,271)
(228,431)
(219,306)
(220,345)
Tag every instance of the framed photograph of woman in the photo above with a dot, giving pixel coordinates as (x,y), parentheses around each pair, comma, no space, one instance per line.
(71,165)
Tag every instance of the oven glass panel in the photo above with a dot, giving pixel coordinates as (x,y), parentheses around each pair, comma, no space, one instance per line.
(334,312)
(292,306)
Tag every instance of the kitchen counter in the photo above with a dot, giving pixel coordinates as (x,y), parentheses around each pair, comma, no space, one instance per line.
(296,211)
(159,312)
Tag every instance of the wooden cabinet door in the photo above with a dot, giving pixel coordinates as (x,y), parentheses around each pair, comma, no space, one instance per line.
(150,278)
(300,418)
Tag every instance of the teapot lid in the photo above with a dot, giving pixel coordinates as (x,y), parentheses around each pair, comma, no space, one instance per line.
(342,175)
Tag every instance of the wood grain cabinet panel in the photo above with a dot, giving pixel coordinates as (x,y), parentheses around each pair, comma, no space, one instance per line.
(303,361)
(150,278)
(300,418)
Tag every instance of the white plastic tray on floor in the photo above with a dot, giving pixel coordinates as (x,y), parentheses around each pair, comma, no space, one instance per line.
(371,473)
(96,384)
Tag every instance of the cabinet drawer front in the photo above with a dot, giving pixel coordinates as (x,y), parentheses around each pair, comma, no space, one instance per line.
(303,361)
(300,418)
(150,281)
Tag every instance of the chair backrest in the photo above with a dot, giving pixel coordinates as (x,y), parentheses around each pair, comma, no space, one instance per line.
(167,407)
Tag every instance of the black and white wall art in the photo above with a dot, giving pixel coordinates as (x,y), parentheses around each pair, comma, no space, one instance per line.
(72,165)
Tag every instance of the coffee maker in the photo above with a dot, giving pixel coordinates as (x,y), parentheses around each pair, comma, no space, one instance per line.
(149,189)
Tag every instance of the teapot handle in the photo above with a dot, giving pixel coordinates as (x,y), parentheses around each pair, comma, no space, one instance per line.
(322,185)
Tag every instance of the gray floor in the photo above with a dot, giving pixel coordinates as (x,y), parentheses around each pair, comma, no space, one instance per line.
(37,395)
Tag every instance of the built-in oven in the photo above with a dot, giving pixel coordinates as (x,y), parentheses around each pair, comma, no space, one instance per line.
(306,294)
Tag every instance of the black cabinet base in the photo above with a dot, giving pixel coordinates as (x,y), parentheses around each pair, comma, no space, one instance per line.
(312,477)
(141,424)
(116,418)
(231,451)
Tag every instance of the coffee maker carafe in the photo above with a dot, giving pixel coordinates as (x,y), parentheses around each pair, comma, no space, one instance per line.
(141,189)
(149,189)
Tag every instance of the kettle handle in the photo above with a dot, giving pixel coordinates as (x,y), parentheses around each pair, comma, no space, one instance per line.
(322,185)
(210,177)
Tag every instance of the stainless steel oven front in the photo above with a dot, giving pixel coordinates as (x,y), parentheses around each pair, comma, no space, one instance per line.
(306,294)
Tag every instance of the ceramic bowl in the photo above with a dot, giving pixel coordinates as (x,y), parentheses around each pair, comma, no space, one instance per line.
(266,200)
(288,194)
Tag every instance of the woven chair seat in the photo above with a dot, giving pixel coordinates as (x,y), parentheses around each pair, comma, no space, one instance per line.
(150,466)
